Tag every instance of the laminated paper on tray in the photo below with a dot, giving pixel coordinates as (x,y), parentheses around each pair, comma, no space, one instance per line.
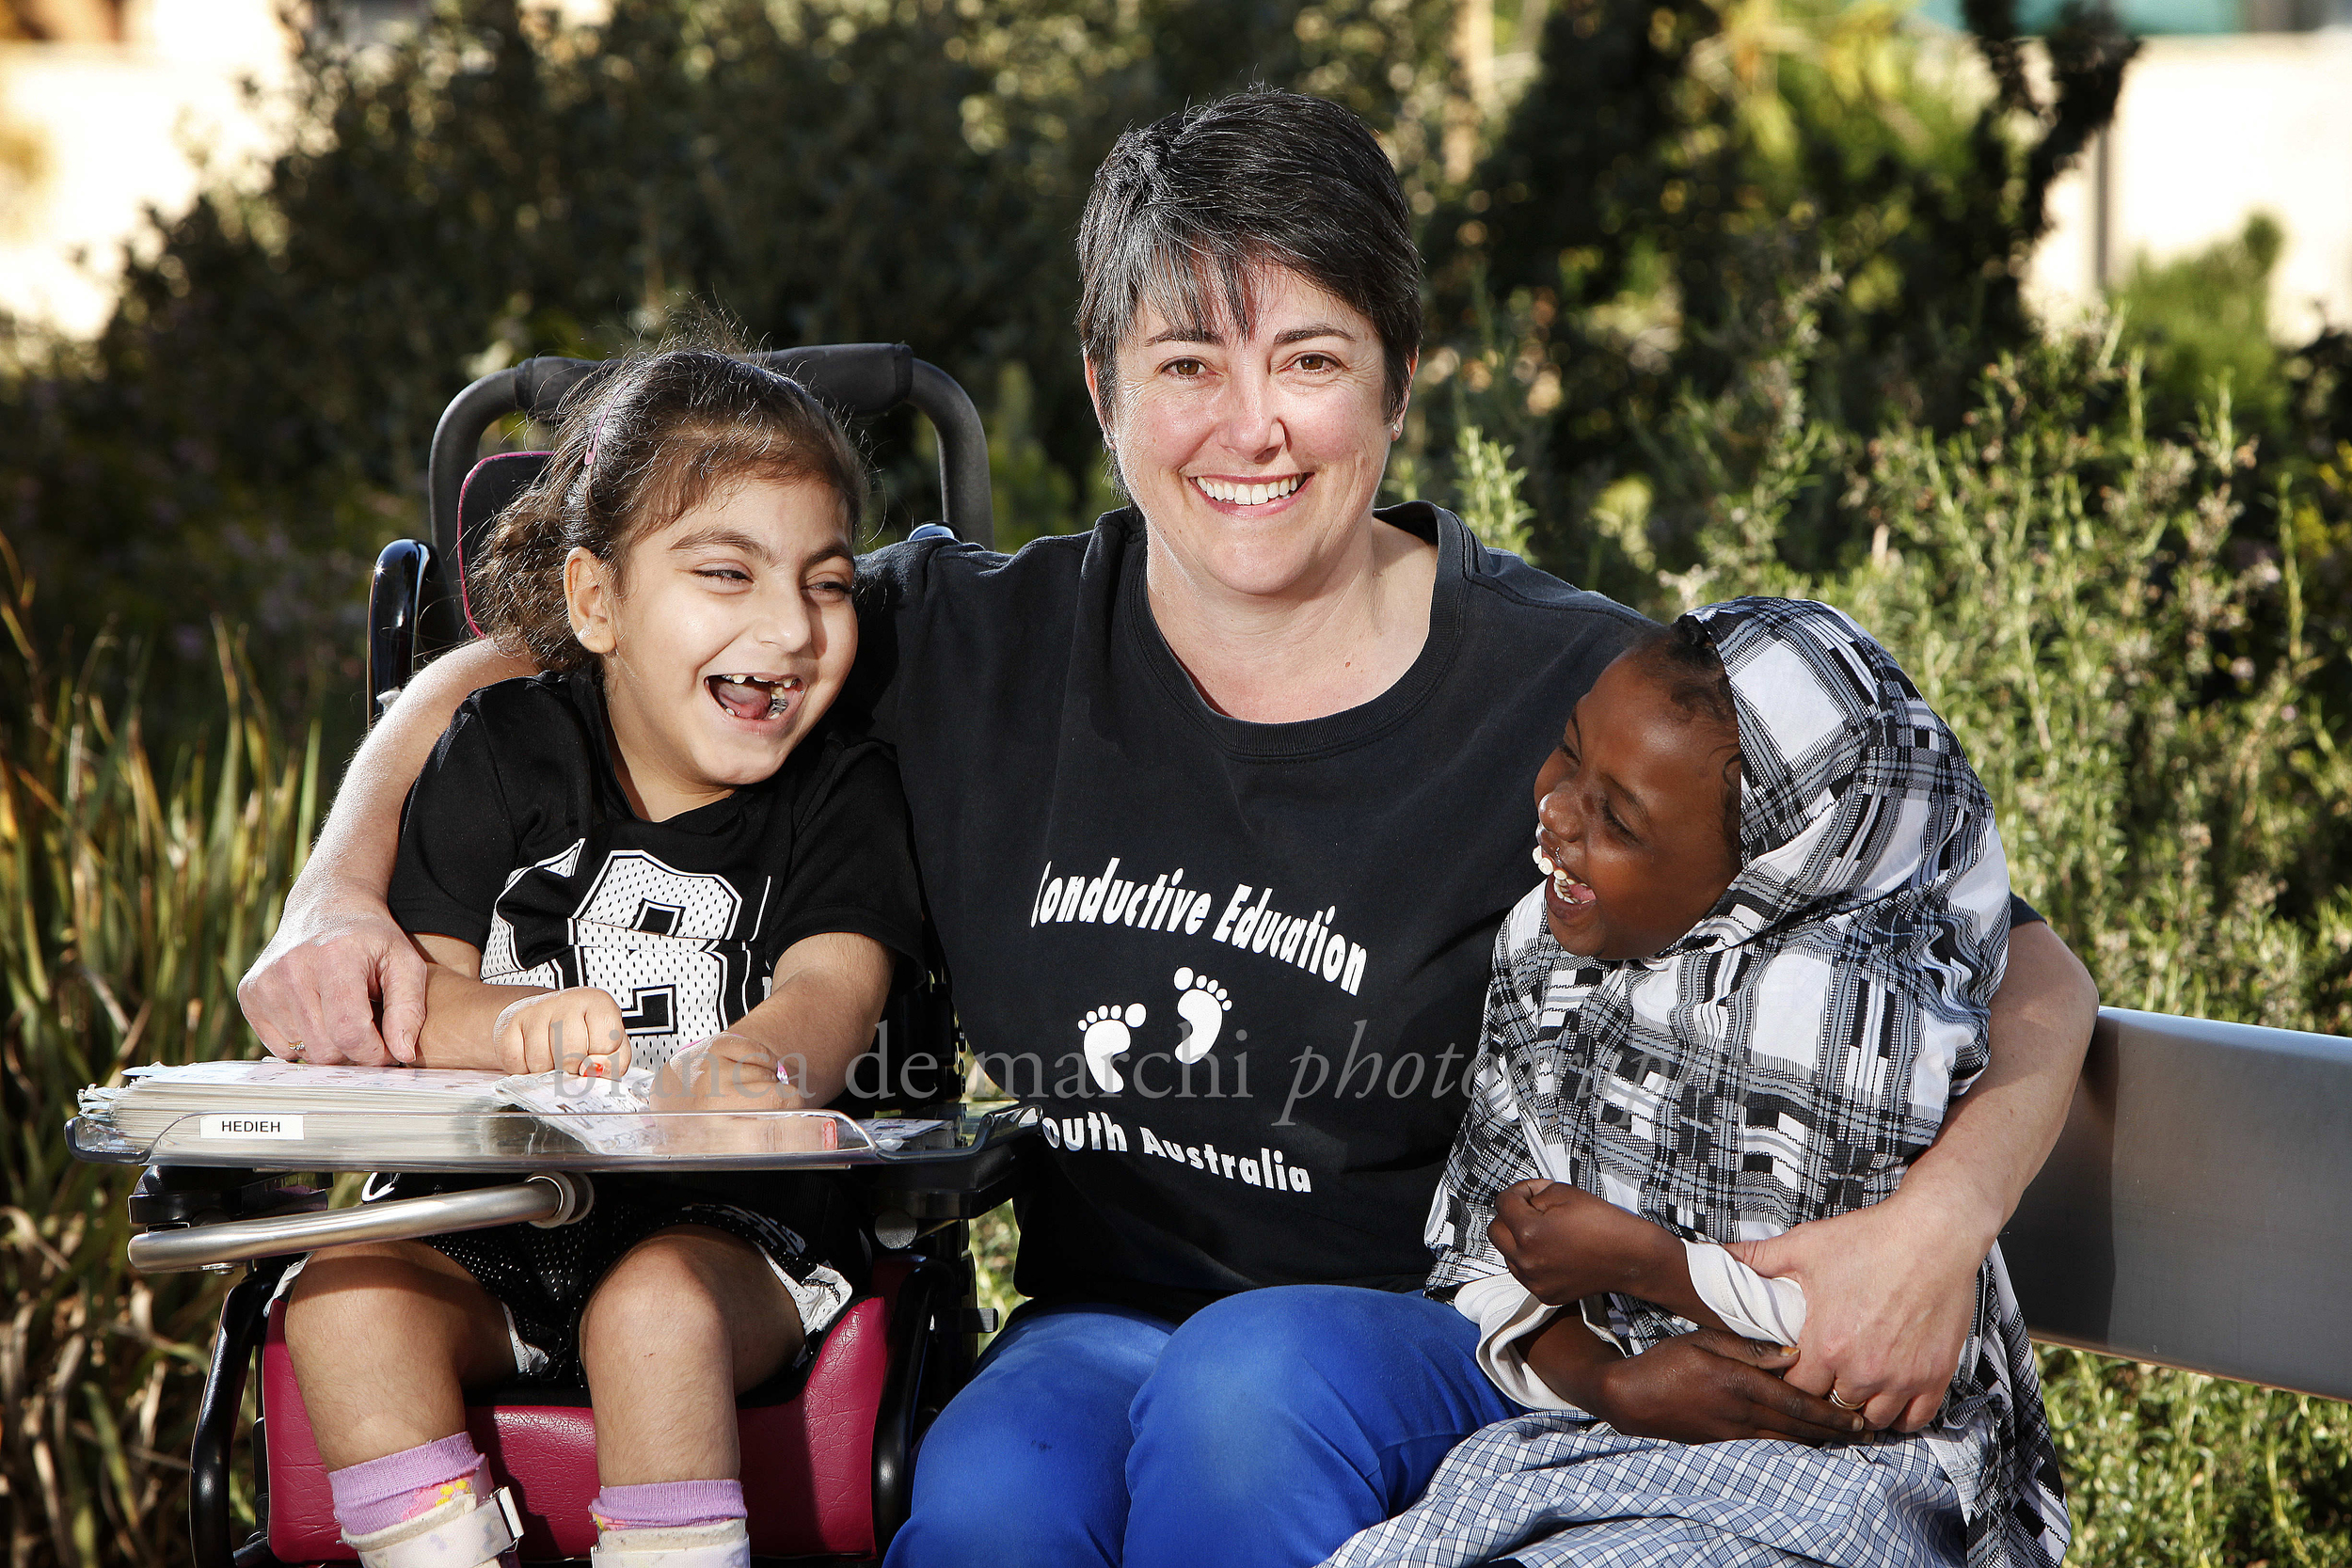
(264,1101)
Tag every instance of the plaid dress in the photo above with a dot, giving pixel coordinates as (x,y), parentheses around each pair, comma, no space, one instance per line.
(1783,1061)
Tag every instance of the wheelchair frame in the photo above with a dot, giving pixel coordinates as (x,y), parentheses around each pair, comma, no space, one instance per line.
(932,1328)
(923,1213)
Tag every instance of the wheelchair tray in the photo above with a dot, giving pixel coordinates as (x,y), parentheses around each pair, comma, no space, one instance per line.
(515,1141)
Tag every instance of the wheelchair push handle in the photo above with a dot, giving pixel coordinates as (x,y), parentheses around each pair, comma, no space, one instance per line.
(416,604)
(548,1199)
(856,379)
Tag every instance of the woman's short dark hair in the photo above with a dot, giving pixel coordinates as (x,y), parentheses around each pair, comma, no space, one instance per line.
(1185,210)
(638,446)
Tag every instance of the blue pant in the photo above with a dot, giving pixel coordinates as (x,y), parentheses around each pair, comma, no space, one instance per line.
(1266,1431)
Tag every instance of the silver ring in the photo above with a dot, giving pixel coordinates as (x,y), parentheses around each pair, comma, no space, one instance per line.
(1841,1404)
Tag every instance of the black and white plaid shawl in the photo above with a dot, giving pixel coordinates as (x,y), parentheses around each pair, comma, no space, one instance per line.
(1789,1057)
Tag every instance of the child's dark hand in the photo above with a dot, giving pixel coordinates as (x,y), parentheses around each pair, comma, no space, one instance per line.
(1563,1243)
(1712,1387)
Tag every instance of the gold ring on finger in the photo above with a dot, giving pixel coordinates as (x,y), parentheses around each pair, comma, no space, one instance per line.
(1842,1404)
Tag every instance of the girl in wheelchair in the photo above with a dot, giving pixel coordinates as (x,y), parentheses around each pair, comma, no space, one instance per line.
(654,853)
(1757,970)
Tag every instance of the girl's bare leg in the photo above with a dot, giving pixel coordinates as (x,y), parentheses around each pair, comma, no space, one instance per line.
(385,1337)
(688,1320)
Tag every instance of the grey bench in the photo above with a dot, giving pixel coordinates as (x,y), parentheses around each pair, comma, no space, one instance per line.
(2196,1211)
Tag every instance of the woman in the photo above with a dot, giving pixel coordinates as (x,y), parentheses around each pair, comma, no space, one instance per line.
(1216,842)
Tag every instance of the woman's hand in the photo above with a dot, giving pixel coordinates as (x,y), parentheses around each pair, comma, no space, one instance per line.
(579,1030)
(1890,1293)
(309,996)
(1706,1386)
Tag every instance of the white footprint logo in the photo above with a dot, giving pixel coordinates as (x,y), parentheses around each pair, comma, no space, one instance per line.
(1108,1034)
(1202,1009)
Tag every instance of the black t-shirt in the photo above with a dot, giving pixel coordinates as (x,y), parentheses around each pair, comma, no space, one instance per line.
(1119,872)
(519,839)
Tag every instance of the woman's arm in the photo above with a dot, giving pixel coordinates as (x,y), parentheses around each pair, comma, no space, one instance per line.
(819,1015)
(1889,1287)
(336,951)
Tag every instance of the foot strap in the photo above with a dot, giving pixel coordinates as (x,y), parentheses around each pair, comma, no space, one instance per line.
(479,1535)
(719,1546)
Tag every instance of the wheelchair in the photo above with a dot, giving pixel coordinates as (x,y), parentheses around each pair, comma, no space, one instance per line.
(828,1445)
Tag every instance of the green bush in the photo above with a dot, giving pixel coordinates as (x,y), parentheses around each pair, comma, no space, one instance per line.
(1674,170)
(1683,186)
(2145,697)
(2203,318)
(2173,1467)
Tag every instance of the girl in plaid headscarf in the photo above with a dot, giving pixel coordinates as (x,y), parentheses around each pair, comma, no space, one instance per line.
(1774,913)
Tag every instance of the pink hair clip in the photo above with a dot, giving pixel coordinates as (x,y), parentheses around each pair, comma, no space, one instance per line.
(595,435)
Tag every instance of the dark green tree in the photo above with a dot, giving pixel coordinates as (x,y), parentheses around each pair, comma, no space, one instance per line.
(1666,183)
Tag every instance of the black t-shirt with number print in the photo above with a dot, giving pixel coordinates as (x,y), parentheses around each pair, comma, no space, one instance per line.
(1239,965)
(519,839)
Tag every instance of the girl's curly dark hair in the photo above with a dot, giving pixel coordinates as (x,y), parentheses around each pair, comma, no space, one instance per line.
(639,444)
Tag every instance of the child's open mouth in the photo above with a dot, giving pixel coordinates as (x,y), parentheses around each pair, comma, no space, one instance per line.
(1565,887)
(754,698)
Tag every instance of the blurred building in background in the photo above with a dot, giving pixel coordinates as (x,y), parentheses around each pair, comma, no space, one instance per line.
(108,107)
(2211,130)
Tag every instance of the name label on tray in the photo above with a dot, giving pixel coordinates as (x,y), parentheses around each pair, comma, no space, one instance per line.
(251,1127)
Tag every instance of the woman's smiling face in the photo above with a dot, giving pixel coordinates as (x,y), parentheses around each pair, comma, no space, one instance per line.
(1255,459)
(1629,819)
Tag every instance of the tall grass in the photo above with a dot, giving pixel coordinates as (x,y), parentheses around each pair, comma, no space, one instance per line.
(130,902)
